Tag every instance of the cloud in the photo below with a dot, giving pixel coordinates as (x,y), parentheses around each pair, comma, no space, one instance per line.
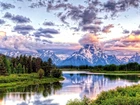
(123,44)
(75,29)
(131,38)
(88,39)
(5,6)
(78,13)
(106,29)
(110,6)
(136,32)
(38,34)
(20,19)
(92,28)
(8,15)
(23,29)
(46,32)
(87,12)
(17,18)
(126,31)
(46,41)
(48,24)
(38,4)
(2,34)
(88,16)
(119,44)
(2,21)
(20,43)
(98,22)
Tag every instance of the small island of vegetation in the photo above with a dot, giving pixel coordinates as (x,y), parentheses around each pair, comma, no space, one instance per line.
(26,70)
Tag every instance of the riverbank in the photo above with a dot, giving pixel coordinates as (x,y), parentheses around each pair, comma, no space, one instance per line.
(105,72)
(121,96)
(22,80)
(117,72)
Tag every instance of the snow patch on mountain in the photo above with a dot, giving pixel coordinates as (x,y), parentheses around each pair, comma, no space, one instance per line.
(90,55)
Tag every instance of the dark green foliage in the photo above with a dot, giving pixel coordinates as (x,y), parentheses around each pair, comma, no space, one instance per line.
(3,69)
(19,69)
(56,73)
(133,66)
(120,96)
(84,101)
(27,64)
(46,69)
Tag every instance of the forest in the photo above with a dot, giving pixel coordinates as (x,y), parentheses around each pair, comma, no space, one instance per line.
(132,66)
(27,65)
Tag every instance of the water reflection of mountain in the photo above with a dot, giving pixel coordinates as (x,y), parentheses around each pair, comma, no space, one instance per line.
(90,85)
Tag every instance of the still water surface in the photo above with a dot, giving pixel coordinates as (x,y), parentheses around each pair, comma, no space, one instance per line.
(76,85)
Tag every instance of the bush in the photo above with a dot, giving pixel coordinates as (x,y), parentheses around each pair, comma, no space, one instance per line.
(121,96)
(40,73)
(56,73)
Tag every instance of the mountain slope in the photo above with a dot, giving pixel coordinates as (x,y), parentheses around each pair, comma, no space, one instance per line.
(90,55)
(135,58)
(43,54)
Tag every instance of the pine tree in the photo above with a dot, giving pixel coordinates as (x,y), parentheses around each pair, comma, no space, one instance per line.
(19,68)
(3,70)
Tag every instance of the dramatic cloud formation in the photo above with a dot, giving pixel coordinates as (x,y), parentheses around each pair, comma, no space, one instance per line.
(5,6)
(23,29)
(69,19)
(88,39)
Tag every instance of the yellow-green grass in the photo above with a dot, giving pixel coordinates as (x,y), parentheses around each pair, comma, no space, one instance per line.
(120,96)
(22,80)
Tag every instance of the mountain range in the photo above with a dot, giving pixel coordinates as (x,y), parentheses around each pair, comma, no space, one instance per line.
(90,55)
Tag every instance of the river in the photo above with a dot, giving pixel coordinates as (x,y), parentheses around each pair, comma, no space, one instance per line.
(76,85)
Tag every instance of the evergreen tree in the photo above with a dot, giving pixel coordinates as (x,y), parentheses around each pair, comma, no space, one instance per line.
(38,63)
(7,64)
(29,64)
(19,69)
(3,70)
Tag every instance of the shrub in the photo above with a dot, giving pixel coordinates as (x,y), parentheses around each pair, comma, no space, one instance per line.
(40,73)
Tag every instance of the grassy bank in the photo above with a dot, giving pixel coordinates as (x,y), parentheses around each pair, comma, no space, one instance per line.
(120,96)
(22,80)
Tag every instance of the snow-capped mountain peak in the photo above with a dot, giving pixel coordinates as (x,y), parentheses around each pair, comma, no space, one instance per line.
(90,55)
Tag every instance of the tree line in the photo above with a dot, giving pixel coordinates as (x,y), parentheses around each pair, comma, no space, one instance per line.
(133,66)
(27,64)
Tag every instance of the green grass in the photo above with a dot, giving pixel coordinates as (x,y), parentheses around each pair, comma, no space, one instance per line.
(120,96)
(22,80)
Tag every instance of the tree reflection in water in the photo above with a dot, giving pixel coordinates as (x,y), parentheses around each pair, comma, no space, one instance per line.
(26,92)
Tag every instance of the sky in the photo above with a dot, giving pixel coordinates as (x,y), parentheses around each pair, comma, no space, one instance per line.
(64,26)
